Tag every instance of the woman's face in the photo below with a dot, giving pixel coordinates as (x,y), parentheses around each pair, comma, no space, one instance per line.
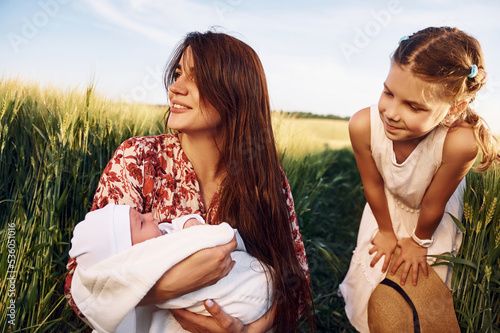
(187,114)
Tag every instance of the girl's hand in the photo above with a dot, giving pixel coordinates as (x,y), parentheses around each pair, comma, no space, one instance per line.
(384,244)
(413,256)
(220,321)
(201,269)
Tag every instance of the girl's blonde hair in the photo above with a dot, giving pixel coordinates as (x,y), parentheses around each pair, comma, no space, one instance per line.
(445,57)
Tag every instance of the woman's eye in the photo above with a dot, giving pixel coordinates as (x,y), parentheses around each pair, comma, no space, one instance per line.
(414,107)
(386,92)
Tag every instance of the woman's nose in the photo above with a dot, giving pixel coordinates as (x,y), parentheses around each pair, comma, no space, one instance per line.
(178,87)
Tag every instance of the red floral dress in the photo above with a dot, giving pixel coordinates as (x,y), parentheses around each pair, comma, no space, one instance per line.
(154,174)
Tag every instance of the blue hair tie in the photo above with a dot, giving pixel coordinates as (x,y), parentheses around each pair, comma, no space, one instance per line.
(473,71)
(403,38)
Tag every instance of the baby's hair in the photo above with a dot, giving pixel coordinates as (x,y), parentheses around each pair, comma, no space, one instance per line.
(446,57)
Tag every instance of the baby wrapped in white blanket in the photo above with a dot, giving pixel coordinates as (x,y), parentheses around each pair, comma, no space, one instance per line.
(112,276)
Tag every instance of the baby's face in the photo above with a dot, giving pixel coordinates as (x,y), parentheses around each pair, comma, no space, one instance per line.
(143,226)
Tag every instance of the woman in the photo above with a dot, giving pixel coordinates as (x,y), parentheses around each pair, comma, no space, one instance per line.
(222,165)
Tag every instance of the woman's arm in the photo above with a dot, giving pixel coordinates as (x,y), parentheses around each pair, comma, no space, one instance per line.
(119,184)
(221,321)
(122,182)
(300,250)
(202,269)
(385,241)
(459,153)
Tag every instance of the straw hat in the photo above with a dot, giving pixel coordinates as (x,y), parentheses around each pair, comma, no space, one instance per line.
(427,307)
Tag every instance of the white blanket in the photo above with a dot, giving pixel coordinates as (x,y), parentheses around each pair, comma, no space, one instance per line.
(108,292)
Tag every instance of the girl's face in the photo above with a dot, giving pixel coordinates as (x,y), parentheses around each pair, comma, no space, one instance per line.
(406,107)
(186,113)
(143,226)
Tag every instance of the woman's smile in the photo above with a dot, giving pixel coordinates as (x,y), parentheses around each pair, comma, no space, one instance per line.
(176,106)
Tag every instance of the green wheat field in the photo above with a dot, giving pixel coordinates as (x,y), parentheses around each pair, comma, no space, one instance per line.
(55,145)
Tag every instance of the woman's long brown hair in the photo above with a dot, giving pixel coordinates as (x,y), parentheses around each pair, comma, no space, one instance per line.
(230,77)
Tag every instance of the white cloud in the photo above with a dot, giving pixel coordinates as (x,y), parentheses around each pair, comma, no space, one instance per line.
(133,16)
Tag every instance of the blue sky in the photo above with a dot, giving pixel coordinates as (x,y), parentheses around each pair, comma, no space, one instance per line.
(325,57)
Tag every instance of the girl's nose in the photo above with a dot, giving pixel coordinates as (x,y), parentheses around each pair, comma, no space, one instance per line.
(391,111)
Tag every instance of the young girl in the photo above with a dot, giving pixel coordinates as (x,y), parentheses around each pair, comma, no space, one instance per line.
(413,151)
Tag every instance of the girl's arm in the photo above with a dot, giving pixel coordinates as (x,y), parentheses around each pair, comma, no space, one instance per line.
(459,153)
(385,240)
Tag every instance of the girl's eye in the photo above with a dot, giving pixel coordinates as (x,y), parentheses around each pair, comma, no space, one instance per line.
(387,92)
(177,74)
(414,108)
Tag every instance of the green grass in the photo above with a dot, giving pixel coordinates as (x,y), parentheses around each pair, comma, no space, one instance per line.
(55,144)
(476,275)
(301,136)
(329,201)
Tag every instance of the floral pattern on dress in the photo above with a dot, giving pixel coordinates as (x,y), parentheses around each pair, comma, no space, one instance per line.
(152,174)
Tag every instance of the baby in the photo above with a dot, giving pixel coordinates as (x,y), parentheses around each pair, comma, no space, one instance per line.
(115,228)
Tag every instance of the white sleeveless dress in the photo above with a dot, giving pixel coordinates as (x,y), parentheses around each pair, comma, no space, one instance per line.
(405,186)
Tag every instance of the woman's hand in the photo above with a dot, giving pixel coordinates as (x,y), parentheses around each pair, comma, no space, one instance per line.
(384,244)
(413,256)
(220,321)
(201,269)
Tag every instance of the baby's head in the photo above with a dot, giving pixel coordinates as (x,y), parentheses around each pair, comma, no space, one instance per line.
(110,230)
(143,226)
